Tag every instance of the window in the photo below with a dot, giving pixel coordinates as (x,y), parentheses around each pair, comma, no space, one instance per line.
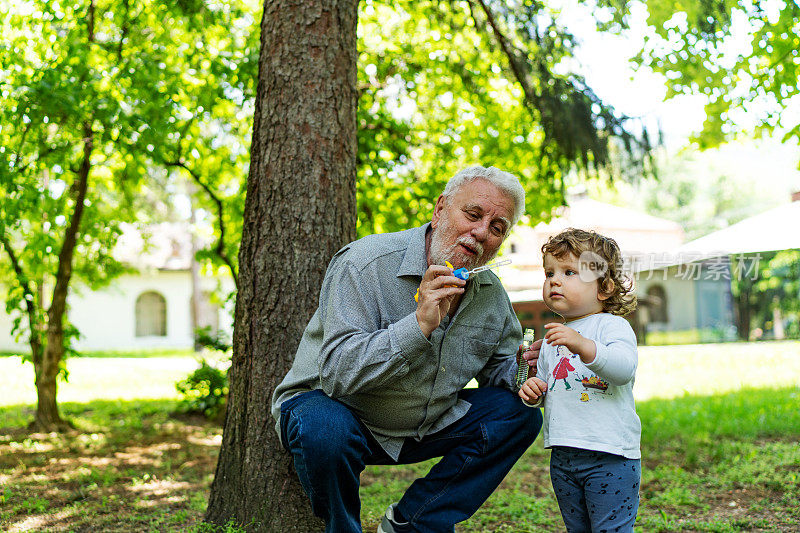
(657,303)
(151,315)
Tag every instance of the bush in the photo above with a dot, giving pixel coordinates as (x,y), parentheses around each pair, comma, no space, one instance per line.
(205,391)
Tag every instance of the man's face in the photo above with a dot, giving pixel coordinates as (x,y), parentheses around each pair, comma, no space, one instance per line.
(469,228)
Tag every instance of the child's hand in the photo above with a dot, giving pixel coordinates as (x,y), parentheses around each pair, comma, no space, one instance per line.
(560,335)
(532,390)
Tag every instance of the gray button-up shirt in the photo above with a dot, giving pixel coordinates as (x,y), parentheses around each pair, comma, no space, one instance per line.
(364,347)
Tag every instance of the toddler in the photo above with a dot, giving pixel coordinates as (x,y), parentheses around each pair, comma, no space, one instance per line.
(584,376)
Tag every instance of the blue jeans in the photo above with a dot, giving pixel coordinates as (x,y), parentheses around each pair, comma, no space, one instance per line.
(331,446)
(596,491)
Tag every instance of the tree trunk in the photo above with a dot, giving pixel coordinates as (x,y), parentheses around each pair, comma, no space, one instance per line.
(47,416)
(300,209)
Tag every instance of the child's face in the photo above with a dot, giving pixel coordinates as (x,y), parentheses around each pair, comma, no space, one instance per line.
(565,293)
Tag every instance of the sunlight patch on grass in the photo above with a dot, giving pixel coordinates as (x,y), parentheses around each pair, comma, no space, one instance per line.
(709,369)
(92,379)
(39,523)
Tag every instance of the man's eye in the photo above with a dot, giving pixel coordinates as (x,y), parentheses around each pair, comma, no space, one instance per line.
(472,216)
(498,230)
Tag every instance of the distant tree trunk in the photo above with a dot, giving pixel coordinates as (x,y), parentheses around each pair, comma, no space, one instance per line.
(31,299)
(47,416)
(194,269)
(300,209)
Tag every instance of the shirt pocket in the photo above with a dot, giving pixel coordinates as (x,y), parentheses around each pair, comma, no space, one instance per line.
(475,353)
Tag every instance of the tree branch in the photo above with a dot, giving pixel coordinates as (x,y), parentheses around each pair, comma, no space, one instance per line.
(64,273)
(30,301)
(513,59)
(219,248)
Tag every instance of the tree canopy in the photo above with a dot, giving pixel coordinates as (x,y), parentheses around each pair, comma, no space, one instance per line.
(447,84)
(94,100)
(742,55)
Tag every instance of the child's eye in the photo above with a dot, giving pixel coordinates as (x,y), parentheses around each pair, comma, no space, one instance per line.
(548,274)
(570,272)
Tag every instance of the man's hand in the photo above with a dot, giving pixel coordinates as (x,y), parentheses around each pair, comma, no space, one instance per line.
(533,389)
(560,335)
(531,355)
(436,293)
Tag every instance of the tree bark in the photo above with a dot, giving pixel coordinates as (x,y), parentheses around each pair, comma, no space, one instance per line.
(34,325)
(47,416)
(300,209)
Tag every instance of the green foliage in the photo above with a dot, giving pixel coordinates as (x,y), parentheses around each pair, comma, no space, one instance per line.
(742,55)
(101,94)
(204,391)
(769,282)
(438,92)
(218,341)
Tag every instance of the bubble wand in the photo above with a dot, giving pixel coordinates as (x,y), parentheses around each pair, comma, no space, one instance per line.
(463,273)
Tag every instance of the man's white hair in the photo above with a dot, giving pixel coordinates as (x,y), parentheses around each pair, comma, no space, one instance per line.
(505,181)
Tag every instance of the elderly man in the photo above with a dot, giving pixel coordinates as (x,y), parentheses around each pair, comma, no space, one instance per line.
(379,375)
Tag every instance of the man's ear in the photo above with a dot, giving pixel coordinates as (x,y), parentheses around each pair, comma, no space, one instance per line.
(437,210)
(604,289)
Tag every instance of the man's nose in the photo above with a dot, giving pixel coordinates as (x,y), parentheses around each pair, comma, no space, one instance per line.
(480,231)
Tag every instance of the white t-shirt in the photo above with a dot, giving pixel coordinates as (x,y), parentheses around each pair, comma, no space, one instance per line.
(591,406)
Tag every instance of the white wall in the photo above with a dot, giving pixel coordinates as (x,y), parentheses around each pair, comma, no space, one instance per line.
(107,318)
(691,303)
(681,299)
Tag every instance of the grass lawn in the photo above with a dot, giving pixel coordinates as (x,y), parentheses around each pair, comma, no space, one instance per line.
(717,457)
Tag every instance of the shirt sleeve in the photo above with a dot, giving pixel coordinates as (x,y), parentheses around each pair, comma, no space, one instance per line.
(501,369)
(357,354)
(617,357)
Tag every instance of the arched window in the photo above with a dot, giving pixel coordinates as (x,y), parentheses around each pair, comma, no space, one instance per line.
(151,315)
(657,298)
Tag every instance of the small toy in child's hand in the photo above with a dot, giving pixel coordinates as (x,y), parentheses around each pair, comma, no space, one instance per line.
(463,273)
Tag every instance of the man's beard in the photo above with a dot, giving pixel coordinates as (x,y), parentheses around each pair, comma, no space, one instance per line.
(441,251)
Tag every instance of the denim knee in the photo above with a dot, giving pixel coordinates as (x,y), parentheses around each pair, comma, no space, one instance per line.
(325,429)
(531,423)
(505,416)
(525,420)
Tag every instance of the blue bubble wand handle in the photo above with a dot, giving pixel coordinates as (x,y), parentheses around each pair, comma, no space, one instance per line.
(463,273)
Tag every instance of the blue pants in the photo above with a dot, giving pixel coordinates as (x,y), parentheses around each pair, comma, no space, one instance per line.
(596,491)
(331,446)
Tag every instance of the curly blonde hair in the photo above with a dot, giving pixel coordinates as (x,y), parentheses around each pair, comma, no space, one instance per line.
(613,282)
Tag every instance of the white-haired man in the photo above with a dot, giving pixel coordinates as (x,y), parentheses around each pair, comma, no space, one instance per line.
(379,376)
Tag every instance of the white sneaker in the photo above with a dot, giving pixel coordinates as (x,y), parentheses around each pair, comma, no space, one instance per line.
(388,523)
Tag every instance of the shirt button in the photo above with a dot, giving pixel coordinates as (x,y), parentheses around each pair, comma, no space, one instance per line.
(442,369)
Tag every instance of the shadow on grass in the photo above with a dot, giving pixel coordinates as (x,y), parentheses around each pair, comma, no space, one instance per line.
(130,466)
(718,463)
(728,462)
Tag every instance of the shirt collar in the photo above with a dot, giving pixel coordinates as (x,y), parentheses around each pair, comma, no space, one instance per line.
(415,262)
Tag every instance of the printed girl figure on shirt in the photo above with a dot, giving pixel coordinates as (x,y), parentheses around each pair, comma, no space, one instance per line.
(592,430)
(561,371)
